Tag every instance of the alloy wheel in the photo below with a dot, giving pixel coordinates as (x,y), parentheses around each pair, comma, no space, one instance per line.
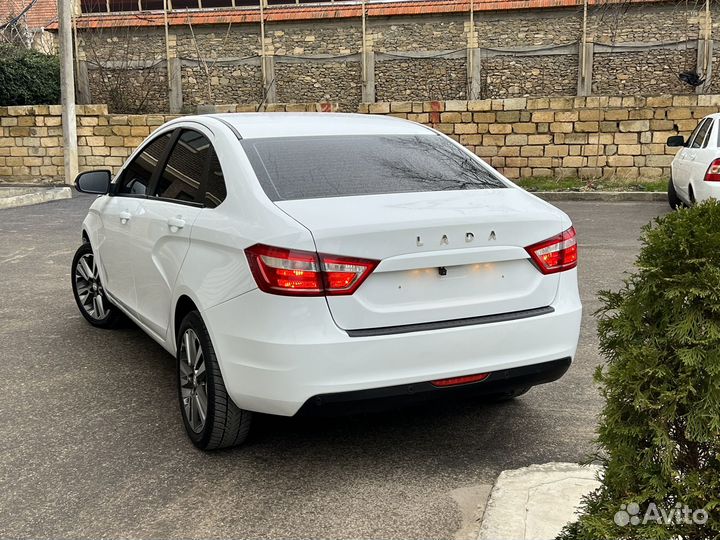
(89,289)
(193,381)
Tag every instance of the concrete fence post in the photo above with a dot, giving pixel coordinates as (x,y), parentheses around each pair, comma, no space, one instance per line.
(82,84)
(368,84)
(585,68)
(174,73)
(704,64)
(474,74)
(269,86)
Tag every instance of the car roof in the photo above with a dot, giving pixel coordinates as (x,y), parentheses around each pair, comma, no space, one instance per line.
(277,124)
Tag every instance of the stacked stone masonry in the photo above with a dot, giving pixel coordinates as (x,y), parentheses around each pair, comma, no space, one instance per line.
(588,137)
(621,137)
(31,141)
(641,48)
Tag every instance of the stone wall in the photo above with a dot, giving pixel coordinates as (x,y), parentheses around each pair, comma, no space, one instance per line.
(643,73)
(420,79)
(31,141)
(530,76)
(640,50)
(221,84)
(319,81)
(620,137)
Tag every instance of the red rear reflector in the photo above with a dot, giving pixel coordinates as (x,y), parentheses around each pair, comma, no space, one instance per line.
(455,381)
(305,273)
(713,172)
(555,254)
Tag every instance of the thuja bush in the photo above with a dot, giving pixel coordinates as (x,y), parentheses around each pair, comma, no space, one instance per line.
(659,431)
(28,77)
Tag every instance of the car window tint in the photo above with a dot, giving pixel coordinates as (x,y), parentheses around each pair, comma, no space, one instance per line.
(706,140)
(182,175)
(215,191)
(700,133)
(136,177)
(316,167)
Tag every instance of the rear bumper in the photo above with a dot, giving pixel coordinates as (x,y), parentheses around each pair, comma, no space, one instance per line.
(277,352)
(498,382)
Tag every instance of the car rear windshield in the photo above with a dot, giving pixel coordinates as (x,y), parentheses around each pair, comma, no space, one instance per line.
(317,167)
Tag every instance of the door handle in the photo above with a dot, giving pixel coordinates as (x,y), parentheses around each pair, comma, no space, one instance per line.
(125,217)
(175,223)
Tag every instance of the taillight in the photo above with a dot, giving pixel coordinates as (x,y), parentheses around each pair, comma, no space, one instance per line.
(713,172)
(295,272)
(555,254)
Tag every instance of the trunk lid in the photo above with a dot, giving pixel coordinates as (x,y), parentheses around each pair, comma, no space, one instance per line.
(444,255)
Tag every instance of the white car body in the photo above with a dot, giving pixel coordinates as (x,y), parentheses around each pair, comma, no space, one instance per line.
(277,353)
(692,162)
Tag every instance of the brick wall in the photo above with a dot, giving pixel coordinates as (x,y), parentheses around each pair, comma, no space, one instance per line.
(589,137)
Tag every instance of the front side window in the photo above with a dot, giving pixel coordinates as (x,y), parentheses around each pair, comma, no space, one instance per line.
(135,179)
(706,139)
(318,167)
(181,179)
(698,135)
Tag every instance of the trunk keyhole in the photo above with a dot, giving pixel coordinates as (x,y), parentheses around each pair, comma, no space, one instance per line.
(442,271)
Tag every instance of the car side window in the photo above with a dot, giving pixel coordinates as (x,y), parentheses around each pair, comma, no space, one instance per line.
(700,133)
(215,191)
(181,178)
(135,179)
(706,141)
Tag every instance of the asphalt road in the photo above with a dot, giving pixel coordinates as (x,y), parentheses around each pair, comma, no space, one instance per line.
(92,444)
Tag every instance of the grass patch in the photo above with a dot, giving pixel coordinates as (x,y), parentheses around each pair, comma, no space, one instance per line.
(545,183)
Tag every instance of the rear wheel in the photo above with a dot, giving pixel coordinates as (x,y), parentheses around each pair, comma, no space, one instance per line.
(211,418)
(89,292)
(673,198)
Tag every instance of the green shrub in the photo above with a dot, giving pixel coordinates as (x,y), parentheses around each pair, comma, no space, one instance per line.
(28,77)
(659,432)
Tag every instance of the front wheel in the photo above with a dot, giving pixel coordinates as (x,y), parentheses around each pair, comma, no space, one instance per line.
(673,198)
(89,292)
(211,418)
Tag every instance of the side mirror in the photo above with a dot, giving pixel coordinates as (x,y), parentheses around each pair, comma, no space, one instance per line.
(94,182)
(676,140)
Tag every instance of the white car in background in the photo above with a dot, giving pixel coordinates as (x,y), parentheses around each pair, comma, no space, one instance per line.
(296,261)
(695,170)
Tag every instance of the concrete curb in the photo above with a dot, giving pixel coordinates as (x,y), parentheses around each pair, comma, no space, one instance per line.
(536,502)
(13,197)
(603,196)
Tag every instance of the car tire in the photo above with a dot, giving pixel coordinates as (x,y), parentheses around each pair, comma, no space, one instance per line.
(221,424)
(89,292)
(508,395)
(673,198)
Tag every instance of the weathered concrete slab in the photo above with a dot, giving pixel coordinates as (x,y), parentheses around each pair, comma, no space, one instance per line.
(10,197)
(536,502)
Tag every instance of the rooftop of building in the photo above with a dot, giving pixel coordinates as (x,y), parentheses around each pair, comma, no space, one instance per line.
(149,13)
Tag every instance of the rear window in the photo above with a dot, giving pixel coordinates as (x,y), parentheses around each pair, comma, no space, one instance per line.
(317,167)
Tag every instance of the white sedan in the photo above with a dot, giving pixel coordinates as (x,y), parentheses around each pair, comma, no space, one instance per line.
(695,170)
(295,262)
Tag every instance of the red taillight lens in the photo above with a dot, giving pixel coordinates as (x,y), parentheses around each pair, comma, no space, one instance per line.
(305,273)
(343,275)
(455,381)
(555,254)
(713,172)
(285,271)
